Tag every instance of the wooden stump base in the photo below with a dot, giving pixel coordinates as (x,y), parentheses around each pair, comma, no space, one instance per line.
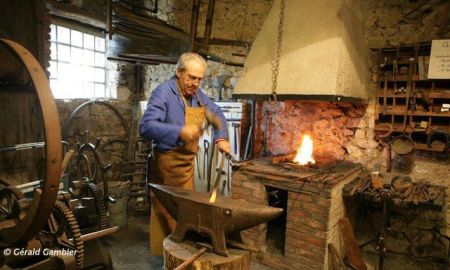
(176,253)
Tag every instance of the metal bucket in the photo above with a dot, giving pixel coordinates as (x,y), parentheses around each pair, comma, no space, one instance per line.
(402,145)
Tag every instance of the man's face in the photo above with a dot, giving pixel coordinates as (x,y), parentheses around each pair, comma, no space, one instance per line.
(191,78)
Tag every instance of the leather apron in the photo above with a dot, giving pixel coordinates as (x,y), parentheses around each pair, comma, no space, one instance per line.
(173,168)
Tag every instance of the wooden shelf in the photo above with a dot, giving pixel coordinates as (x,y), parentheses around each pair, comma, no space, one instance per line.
(439,94)
(401,78)
(398,127)
(428,94)
(400,110)
(424,146)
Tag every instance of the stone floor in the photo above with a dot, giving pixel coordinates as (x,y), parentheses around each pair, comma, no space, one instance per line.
(129,247)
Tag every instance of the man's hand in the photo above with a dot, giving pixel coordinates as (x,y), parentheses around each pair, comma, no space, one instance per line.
(190,133)
(224,146)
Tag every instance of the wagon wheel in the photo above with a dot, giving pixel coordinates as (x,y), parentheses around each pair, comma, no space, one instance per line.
(99,167)
(44,198)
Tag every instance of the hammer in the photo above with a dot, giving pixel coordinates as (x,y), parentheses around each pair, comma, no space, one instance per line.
(191,259)
(213,120)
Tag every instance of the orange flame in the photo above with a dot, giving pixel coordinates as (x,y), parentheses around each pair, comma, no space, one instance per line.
(305,152)
(212,199)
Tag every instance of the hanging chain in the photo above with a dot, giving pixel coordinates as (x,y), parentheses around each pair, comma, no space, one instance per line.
(276,62)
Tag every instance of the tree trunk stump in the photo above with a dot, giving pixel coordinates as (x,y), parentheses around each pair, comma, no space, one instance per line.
(176,253)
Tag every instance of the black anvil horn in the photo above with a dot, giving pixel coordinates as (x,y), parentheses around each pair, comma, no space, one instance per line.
(193,211)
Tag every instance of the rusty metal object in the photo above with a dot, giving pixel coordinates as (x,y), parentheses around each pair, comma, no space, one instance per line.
(401,184)
(103,168)
(443,138)
(226,216)
(64,232)
(420,192)
(43,201)
(87,200)
(13,205)
(402,145)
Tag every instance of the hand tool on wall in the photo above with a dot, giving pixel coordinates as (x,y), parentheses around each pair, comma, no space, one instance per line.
(384,94)
(236,138)
(205,160)
(409,86)
(197,164)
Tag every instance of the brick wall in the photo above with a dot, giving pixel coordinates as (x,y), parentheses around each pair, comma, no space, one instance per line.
(312,216)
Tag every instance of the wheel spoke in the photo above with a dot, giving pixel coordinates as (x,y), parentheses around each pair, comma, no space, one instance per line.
(52,224)
(4,211)
(62,227)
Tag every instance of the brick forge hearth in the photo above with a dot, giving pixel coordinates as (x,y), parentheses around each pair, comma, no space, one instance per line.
(312,198)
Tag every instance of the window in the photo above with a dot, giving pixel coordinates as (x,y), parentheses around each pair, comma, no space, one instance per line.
(78,64)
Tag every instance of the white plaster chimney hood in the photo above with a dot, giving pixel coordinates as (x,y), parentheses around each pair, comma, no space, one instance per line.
(323,53)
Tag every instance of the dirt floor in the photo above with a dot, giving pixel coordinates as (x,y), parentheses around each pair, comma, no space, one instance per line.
(129,247)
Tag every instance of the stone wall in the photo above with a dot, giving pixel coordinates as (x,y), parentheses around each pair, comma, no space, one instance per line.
(393,23)
(281,125)
(233,20)
(100,121)
(155,75)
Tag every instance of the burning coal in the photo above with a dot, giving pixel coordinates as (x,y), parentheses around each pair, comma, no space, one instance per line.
(305,152)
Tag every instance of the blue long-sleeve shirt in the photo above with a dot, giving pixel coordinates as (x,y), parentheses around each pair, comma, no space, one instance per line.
(164,116)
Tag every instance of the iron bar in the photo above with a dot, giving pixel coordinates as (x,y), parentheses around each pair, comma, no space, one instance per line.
(99,234)
(23,146)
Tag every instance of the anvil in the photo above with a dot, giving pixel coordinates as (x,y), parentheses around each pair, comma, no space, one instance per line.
(193,211)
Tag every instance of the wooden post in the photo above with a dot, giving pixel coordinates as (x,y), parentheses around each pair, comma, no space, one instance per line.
(208,25)
(177,253)
(194,23)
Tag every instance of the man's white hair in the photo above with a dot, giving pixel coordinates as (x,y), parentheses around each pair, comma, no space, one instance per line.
(189,56)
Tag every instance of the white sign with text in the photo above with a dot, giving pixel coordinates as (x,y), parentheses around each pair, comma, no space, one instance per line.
(439,59)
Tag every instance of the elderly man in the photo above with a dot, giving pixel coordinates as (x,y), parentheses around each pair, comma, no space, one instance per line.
(173,120)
